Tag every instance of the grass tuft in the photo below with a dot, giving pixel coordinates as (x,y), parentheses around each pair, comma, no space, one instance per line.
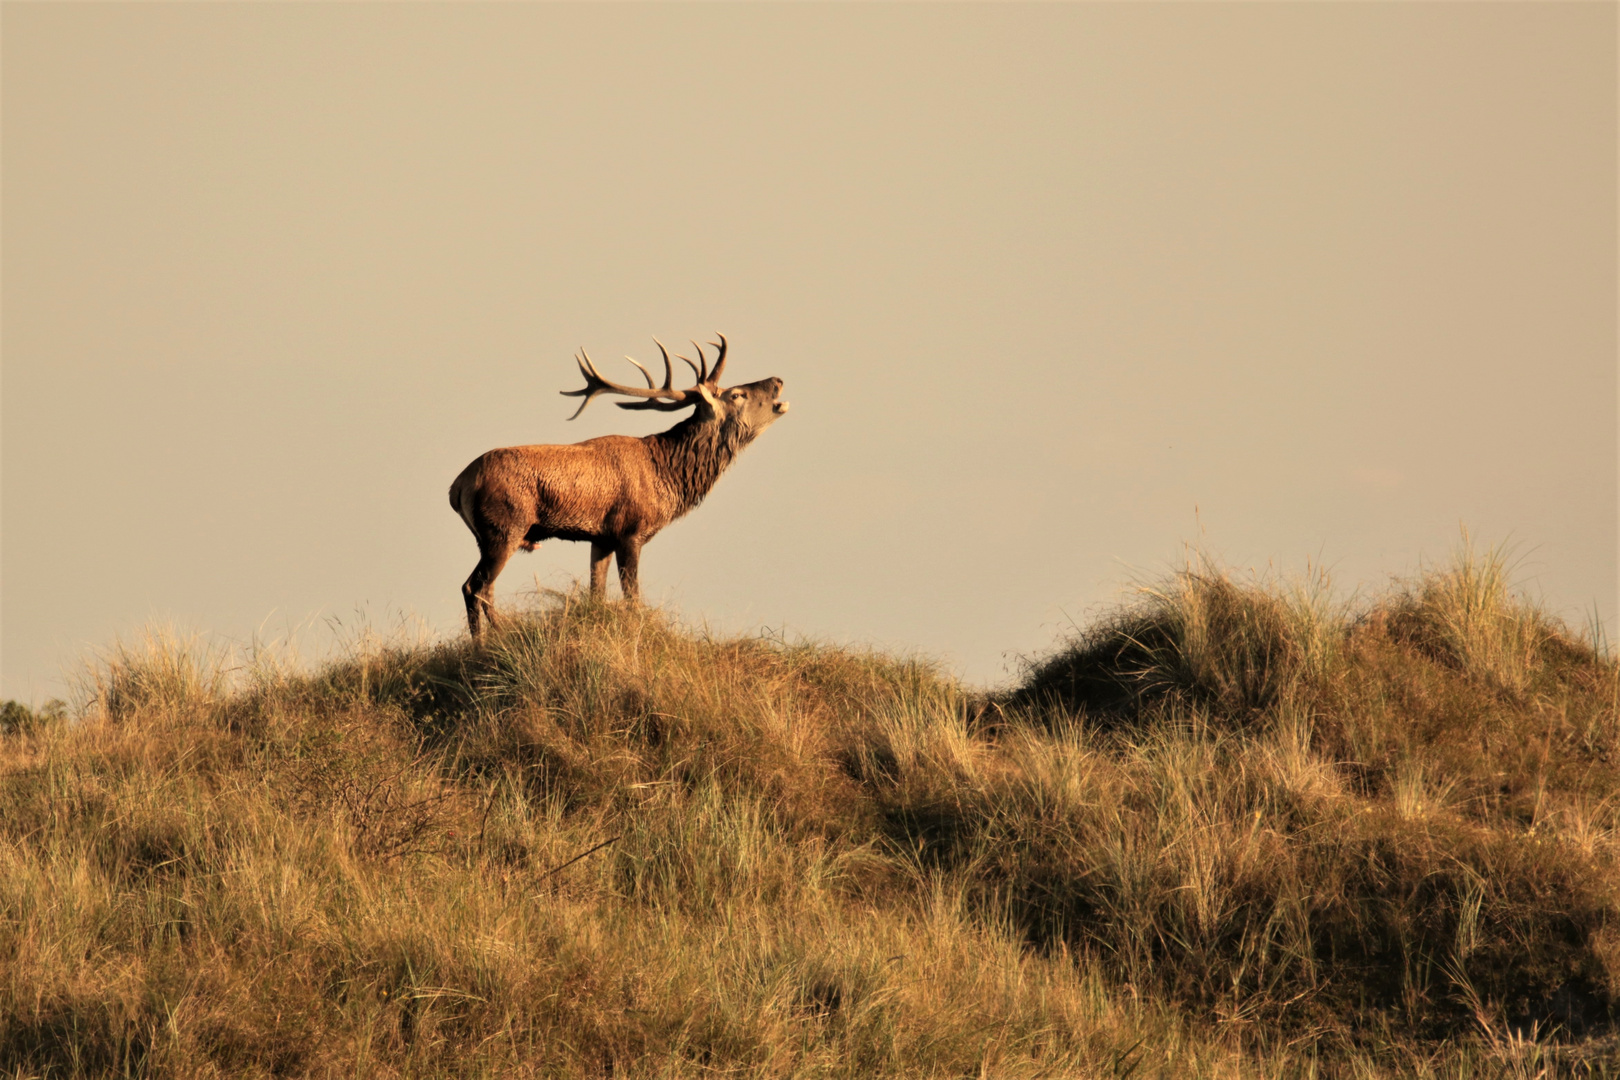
(1235,646)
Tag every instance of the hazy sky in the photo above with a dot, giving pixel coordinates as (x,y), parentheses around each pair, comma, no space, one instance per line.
(1053,289)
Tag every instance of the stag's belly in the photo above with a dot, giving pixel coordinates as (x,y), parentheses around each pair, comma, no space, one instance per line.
(593,505)
(538,533)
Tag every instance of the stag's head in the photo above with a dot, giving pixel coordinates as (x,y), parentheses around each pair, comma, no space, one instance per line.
(750,406)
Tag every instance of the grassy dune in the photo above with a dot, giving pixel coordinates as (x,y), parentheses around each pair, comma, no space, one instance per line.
(1232,829)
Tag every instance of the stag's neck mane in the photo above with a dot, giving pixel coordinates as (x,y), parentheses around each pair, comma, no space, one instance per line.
(692,455)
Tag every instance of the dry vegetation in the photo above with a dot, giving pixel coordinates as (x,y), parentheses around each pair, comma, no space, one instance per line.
(1234,829)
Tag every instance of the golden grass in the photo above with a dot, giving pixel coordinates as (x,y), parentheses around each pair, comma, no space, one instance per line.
(1235,830)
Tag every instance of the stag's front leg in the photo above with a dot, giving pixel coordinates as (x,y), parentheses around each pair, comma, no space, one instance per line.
(600,554)
(629,560)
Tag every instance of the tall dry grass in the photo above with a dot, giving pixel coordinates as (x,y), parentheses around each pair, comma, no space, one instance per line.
(1235,829)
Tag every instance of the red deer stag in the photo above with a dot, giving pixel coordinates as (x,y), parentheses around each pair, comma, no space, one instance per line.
(616,491)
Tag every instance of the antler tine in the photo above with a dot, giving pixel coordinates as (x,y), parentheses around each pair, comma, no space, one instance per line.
(587,365)
(644,372)
(703,376)
(669,373)
(594,383)
(696,373)
(719,361)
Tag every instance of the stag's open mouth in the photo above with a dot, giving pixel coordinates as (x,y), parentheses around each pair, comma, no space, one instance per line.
(779,407)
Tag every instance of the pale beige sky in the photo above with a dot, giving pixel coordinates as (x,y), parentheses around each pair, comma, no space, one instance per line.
(1054,289)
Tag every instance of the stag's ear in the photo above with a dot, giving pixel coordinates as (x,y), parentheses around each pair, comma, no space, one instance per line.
(708,403)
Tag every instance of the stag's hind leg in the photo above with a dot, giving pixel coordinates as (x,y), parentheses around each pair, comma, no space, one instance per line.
(479,590)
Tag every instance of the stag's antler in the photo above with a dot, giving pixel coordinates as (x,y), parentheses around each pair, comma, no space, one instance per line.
(664,398)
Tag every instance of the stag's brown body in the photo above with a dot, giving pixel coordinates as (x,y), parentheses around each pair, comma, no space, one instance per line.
(615,492)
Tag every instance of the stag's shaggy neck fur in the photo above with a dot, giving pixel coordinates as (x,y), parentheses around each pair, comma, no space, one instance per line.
(692,455)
